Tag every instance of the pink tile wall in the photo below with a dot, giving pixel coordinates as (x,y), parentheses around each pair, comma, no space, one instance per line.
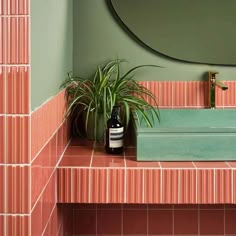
(190,94)
(14,118)
(142,219)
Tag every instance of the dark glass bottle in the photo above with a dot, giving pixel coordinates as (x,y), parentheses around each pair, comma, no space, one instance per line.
(114,133)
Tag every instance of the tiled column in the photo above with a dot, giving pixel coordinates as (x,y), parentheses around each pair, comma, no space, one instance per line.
(14,118)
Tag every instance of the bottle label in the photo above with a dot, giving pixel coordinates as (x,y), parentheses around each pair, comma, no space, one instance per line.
(116,136)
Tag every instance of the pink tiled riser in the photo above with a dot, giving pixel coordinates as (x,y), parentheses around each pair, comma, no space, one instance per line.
(97,178)
(190,94)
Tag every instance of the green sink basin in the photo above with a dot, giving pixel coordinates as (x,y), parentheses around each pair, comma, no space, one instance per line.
(188,135)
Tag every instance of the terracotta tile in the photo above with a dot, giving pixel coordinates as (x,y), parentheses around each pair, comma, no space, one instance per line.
(53,146)
(3,28)
(205,187)
(135,222)
(187,186)
(87,206)
(211,222)
(185,222)
(81,142)
(2,189)
(175,164)
(18,189)
(203,94)
(213,164)
(160,222)
(229,95)
(17,225)
(219,98)
(234,186)
(84,222)
(160,206)
(211,206)
(108,161)
(17,141)
(232,164)
(17,40)
(230,226)
(2,84)
(54,222)
(116,185)
(152,186)
(2,224)
(17,90)
(186,206)
(132,163)
(18,7)
(36,219)
(135,206)
(100,151)
(130,152)
(223,186)
(40,172)
(98,186)
(76,192)
(134,186)
(48,200)
(78,151)
(165,94)
(170,186)
(109,206)
(192,99)
(179,94)
(73,161)
(2,139)
(109,222)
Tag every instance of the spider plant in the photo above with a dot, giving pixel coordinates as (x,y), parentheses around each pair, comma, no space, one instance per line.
(95,97)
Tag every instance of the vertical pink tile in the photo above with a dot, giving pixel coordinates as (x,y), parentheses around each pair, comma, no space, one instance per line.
(230,226)
(211,222)
(17,190)
(165,94)
(192,94)
(203,94)
(98,186)
(170,186)
(17,225)
(2,139)
(154,88)
(53,145)
(17,90)
(84,222)
(229,95)
(187,186)
(179,94)
(223,186)
(48,200)
(36,219)
(17,40)
(17,146)
(135,222)
(234,186)
(152,185)
(2,40)
(109,221)
(160,222)
(116,185)
(134,186)
(185,222)
(2,189)
(2,224)
(205,187)
(2,89)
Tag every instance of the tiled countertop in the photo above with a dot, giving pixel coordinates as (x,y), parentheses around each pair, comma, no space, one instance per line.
(87,174)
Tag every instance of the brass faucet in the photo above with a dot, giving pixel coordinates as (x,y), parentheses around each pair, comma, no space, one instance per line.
(213,82)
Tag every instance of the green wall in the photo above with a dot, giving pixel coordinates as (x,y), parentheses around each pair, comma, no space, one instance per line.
(97,38)
(51,47)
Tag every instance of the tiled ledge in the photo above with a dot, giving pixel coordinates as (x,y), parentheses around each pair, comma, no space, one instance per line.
(87,174)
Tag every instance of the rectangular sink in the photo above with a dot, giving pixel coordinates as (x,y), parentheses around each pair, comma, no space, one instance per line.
(188,135)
